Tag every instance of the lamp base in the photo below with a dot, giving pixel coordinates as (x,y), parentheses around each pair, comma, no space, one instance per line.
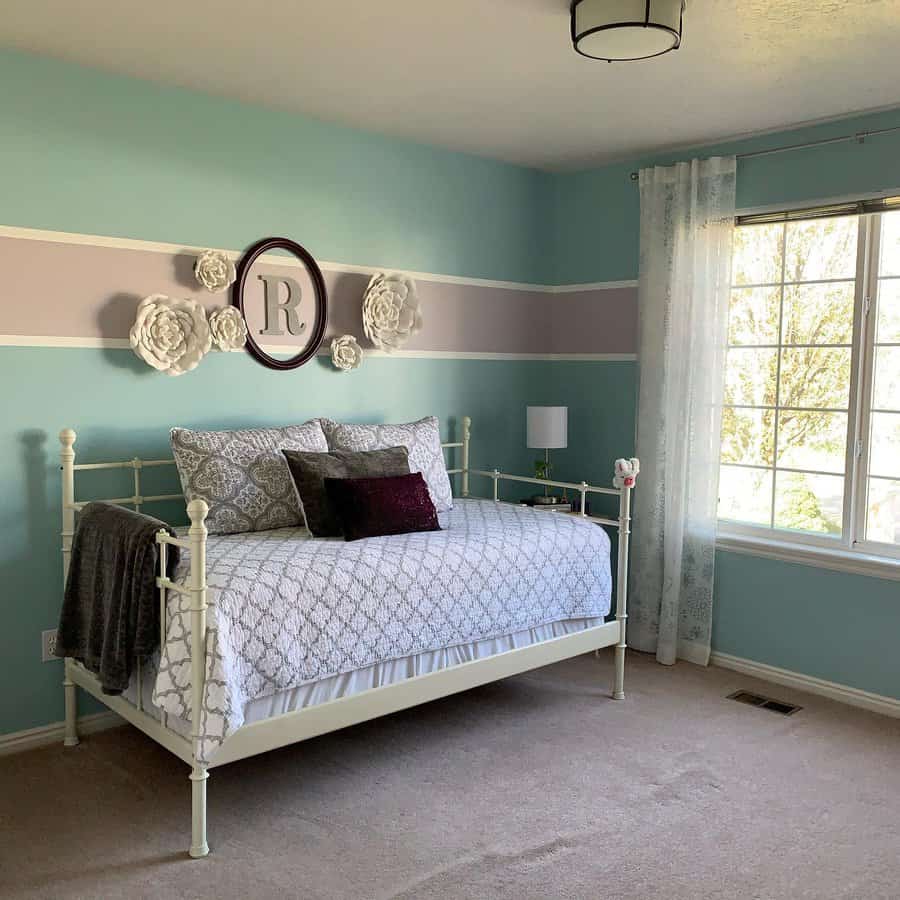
(545,500)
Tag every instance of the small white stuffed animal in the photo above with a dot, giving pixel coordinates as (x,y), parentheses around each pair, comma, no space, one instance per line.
(626,472)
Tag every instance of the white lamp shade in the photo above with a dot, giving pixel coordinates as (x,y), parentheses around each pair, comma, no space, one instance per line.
(548,427)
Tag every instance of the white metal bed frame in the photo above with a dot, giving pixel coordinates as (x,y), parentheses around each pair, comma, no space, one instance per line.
(291,727)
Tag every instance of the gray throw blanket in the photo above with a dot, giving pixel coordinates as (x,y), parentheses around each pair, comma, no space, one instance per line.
(110,612)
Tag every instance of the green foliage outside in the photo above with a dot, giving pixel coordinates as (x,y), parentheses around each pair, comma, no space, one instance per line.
(808,383)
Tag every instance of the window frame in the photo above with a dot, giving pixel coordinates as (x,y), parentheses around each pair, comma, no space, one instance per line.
(850,551)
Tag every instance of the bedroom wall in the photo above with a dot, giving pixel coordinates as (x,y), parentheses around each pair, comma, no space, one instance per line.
(836,626)
(102,157)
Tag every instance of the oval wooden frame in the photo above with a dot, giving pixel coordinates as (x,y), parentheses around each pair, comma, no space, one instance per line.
(315,273)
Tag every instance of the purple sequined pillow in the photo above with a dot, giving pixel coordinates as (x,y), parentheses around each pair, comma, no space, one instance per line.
(369,507)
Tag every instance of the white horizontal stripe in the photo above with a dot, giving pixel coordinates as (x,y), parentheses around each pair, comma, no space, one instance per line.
(842,693)
(38,340)
(94,343)
(119,243)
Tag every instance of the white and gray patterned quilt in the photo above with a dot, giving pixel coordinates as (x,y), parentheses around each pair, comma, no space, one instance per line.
(286,609)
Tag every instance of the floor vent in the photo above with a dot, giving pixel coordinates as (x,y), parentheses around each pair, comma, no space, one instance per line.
(786,709)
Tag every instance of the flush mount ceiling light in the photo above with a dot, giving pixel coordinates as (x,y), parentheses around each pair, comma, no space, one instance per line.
(616,30)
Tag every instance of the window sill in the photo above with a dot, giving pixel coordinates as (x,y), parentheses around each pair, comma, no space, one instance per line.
(823,558)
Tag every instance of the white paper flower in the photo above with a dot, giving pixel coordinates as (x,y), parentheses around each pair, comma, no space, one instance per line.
(346,354)
(391,313)
(214,270)
(228,328)
(170,334)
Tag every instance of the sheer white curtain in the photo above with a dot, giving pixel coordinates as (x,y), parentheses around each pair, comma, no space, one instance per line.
(687,219)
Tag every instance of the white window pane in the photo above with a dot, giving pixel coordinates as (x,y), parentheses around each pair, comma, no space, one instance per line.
(750,377)
(888,330)
(811,503)
(756,254)
(818,313)
(885,450)
(887,378)
(815,377)
(883,511)
(812,440)
(890,244)
(747,436)
(745,495)
(753,316)
(821,248)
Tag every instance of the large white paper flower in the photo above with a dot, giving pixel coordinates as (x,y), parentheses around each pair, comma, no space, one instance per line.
(170,334)
(228,328)
(346,354)
(391,313)
(214,270)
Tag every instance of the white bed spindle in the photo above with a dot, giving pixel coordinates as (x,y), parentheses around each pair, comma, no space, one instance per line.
(67,464)
(163,611)
(197,510)
(622,588)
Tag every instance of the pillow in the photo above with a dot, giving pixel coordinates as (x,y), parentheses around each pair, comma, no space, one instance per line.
(309,471)
(422,439)
(242,475)
(369,507)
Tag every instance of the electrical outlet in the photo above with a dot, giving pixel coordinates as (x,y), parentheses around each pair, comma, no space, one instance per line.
(48,645)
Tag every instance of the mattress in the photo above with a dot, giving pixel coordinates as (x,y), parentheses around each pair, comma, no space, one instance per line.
(287,611)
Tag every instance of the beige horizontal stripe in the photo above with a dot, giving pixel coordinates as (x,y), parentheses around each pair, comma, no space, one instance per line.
(65,289)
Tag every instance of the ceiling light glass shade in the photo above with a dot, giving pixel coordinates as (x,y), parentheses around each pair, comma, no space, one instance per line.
(616,30)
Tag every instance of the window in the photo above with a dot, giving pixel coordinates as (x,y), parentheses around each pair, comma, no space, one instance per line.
(811,418)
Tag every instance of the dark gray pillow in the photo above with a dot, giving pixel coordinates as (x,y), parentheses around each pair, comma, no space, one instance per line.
(309,471)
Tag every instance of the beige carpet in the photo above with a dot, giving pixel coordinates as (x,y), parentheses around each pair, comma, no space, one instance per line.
(538,786)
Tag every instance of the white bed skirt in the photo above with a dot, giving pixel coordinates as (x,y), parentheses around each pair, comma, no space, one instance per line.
(345,685)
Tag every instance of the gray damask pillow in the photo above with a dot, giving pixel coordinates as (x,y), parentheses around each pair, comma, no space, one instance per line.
(242,474)
(422,439)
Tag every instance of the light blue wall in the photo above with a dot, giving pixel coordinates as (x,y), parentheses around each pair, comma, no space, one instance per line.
(831,625)
(595,214)
(88,152)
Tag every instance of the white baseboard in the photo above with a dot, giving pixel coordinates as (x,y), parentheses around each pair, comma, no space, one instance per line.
(887,706)
(31,738)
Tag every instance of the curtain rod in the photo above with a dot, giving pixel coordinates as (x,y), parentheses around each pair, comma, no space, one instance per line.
(859,137)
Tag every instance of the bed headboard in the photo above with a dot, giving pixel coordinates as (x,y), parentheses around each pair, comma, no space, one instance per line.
(68,466)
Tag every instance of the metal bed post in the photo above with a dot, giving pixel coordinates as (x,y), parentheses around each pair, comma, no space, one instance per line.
(622,588)
(466,434)
(67,464)
(197,511)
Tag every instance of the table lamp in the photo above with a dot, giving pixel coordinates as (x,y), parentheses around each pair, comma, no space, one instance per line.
(547,429)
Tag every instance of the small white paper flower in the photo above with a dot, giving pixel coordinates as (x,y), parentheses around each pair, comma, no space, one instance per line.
(170,334)
(391,313)
(346,354)
(228,328)
(214,270)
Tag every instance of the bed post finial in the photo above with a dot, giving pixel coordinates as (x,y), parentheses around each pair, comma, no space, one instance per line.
(198,510)
(466,434)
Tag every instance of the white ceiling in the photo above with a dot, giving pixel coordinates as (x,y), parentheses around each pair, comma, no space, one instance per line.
(497,78)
